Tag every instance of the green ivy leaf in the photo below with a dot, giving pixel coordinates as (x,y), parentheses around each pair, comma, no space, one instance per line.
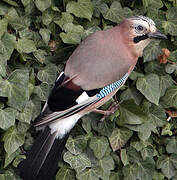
(173,56)
(170,25)
(3,68)
(172,145)
(47,16)
(16,89)
(170,97)
(106,163)
(3,26)
(70,38)
(157,4)
(27,113)
(45,33)
(130,172)
(7,175)
(123,156)
(130,113)
(116,13)
(65,173)
(42,5)
(165,164)
(165,82)
(76,145)
(7,44)
(65,19)
(25,46)
(158,176)
(77,162)
(119,137)
(87,174)
(48,74)
(146,169)
(10,2)
(9,159)
(99,146)
(13,139)
(149,87)
(40,55)
(82,8)
(7,118)
(152,51)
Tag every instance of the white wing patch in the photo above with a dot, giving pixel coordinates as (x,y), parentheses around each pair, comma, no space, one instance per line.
(82,98)
(63,126)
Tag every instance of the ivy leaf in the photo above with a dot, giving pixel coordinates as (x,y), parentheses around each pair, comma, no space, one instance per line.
(48,74)
(7,175)
(171,24)
(87,174)
(42,5)
(81,8)
(149,87)
(47,16)
(119,137)
(165,164)
(130,113)
(173,56)
(7,118)
(158,176)
(165,82)
(123,156)
(40,55)
(13,139)
(99,146)
(25,46)
(78,162)
(27,113)
(76,145)
(130,172)
(10,2)
(153,3)
(45,33)
(70,38)
(170,97)
(3,68)
(106,163)
(16,89)
(86,123)
(7,44)
(65,19)
(146,169)
(116,13)
(42,91)
(3,26)
(172,145)
(152,51)
(65,173)
(9,159)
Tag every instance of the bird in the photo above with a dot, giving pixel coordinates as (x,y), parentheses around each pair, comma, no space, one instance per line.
(93,74)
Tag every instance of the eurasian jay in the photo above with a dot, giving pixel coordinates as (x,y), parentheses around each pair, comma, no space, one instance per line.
(95,71)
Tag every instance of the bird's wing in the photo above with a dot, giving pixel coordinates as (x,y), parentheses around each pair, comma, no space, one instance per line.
(79,99)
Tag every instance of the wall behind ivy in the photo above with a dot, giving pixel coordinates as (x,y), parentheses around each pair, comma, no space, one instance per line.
(139,141)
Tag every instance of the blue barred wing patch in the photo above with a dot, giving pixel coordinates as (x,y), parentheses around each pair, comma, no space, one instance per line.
(111,87)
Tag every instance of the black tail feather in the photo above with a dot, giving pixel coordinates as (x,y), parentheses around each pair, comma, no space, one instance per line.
(50,165)
(42,159)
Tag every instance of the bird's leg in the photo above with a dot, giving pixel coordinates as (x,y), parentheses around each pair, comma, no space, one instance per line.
(111,110)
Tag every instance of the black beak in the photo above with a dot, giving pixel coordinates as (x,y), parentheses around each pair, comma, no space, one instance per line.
(157,35)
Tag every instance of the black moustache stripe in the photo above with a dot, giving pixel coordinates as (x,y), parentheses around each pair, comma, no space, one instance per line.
(137,39)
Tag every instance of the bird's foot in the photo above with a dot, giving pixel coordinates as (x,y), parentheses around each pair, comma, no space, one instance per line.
(111,110)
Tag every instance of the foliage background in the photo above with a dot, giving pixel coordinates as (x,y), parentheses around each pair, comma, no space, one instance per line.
(137,142)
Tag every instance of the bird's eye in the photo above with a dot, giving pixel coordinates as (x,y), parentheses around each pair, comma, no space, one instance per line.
(139,28)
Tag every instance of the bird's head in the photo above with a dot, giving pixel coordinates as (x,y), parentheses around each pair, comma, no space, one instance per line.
(141,30)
